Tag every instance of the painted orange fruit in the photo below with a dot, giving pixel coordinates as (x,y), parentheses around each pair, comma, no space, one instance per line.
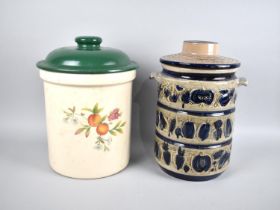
(102,129)
(94,120)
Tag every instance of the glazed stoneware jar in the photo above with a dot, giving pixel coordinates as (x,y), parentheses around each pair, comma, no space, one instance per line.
(88,106)
(195,111)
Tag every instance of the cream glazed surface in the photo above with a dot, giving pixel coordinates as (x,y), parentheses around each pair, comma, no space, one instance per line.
(76,107)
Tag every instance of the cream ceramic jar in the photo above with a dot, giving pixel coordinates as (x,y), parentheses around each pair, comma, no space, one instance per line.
(88,108)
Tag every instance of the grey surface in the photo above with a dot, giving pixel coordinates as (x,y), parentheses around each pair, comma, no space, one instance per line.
(146,30)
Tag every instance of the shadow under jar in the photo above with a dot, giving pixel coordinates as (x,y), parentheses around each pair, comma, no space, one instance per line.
(195,111)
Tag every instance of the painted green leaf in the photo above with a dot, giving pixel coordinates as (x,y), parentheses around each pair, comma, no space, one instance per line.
(123,124)
(119,130)
(103,118)
(87,132)
(95,108)
(80,130)
(117,125)
(113,133)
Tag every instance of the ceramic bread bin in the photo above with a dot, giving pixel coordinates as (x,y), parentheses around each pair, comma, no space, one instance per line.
(88,106)
(195,111)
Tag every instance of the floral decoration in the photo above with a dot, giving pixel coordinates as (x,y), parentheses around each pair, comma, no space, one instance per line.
(93,123)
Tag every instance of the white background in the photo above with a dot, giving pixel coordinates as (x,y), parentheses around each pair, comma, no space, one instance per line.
(145,30)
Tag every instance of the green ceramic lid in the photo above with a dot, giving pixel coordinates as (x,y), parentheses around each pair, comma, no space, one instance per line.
(88,57)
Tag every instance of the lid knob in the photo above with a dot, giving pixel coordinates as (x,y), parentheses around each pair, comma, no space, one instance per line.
(196,47)
(88,42)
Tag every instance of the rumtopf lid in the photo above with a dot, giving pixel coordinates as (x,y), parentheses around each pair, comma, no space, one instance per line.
(87,58)
(199,57)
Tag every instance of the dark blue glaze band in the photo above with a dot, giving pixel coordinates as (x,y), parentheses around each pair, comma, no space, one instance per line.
(190,178)
(199,65)
(197,113)
(201,77)
(193,146)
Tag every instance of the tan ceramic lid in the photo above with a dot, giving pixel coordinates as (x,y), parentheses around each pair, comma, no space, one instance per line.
(200,55)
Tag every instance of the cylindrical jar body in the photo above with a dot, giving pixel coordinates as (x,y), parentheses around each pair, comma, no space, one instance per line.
(88,122)
(195,111)
(194,124)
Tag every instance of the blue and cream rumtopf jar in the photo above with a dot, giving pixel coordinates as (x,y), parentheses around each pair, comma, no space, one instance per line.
(195,111)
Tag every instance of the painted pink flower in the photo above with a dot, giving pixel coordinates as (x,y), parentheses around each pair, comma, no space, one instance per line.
(115,114)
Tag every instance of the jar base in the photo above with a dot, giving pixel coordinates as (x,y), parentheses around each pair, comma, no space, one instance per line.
(190,178)
(87,177)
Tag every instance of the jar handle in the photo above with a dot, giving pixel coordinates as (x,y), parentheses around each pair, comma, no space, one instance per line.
(156,76)
(242,81)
